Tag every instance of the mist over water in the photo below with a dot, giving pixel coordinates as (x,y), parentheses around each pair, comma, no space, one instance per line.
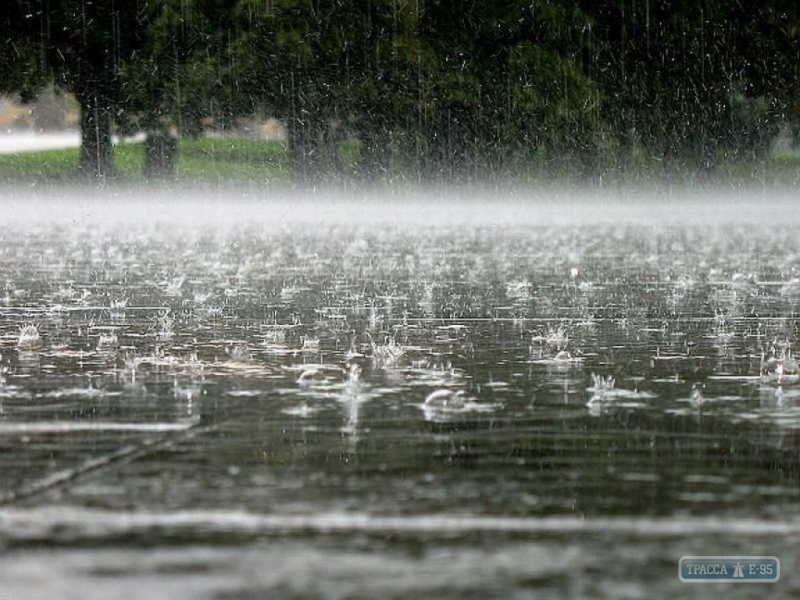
(431,206)
(508,393)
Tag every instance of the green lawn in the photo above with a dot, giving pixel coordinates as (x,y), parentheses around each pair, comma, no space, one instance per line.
(202,160)
(223,160)
(232,159)
(39,166)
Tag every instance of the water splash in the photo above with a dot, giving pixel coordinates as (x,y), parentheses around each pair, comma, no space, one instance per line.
(166,322)
(696,398)
(387,354)
(107,341)
(446,404)
(174,287)
(28,338)
(553,346)
(780,367)
(602,388)
(321,375)
(117,308)
(445,399)
(606,394)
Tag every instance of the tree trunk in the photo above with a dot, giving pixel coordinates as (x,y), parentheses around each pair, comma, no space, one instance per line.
(160,152)
(96,150)
(304,155)
(375,155)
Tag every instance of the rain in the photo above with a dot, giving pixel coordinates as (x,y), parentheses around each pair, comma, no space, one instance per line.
(410,298)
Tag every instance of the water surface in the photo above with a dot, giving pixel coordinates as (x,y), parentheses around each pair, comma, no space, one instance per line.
(227,398)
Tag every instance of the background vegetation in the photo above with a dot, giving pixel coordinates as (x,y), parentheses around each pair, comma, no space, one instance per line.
(423,89)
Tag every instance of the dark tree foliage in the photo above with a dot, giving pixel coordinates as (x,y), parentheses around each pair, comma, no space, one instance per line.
(288,51)
(456,89)
(183,78)
(506,89)
(332,70)
(695,82)
(437,89)
(80,45)
(18,55)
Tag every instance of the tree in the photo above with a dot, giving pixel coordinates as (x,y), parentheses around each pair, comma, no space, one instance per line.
(276,52)
(693,83)
(766,85)
(17,53)
(79,45)
(504,88)
(434,88)
(332,71)
(182,79)
(380,61)
(288,54)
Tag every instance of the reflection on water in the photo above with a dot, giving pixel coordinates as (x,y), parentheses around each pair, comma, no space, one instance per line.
(452,389)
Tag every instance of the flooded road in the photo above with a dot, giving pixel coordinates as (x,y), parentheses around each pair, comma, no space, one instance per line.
(283,398)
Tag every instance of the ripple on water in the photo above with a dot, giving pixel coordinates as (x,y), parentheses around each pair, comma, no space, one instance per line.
(245,336)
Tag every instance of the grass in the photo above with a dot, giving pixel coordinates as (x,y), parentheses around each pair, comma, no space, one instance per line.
(40,166)
(233,160)
(206,160)
(224,160)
